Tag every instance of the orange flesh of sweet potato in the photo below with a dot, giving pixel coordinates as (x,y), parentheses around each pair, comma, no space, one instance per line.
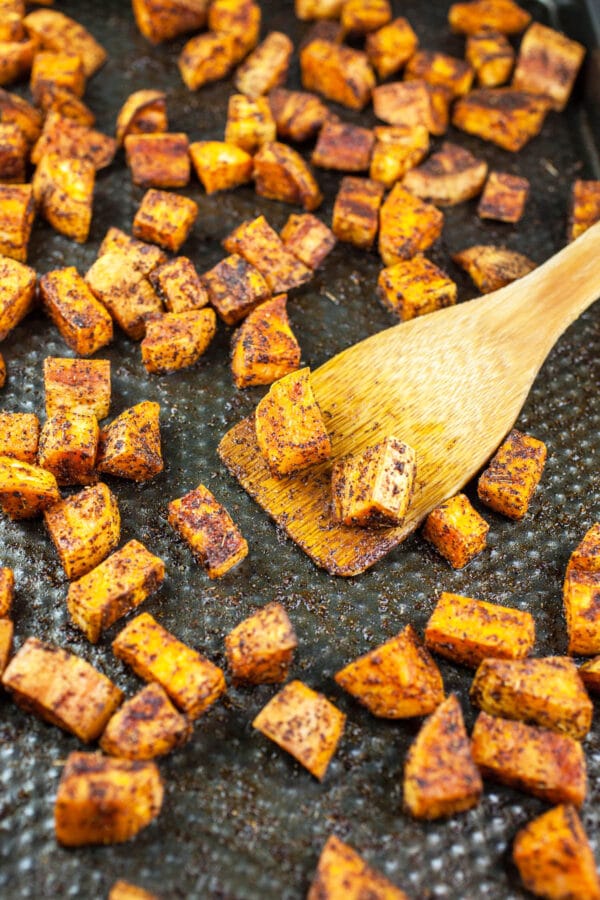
(261,648)
(341,872)
(456,530)
(130,445)
(309,239)
(177,340)
(25,490)
(509,482)
(68,447)
(84,323)
(7,589)
(235,287)
(146,726)
(356,211)
(17,290)
(77,384)
(165,218)
(264,348)
(415,287)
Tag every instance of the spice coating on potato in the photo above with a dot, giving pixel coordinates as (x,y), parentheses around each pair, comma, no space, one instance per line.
(261,246)
(492,268)
(584,207)
(68,447)
(477,16)
(404,103)
(238,18)
(17,290)
(581,595)
(146,726)
(55,31)
(364,16)
(504,197)
(344,147)
(17,212)
(440,69)
(164,218)
(261,648)
(250,123)
(77,384)
(68,139)
(509,482)
(177,340)
(391,46)
(450,176)
(124,291)
(162,20)
(16,58)
(178,284)
(13,154)
(144,112)
(264,348)
(6,641)
(280,173)
(207,57)
(338,73)
(298,115)
(266,67)
(318,9)
(84,323)
(17,111)
(25,490)
(130,445)
(492,57)
(235,287)
(397,149)
(309,239)
(456,530)
(142,257)
(7,590)
(158,160)
(548,64)
(506,116)
(407,226)
(51,70)
(220,166)
(341,872)
(63,189)
(415,287)
(356,211)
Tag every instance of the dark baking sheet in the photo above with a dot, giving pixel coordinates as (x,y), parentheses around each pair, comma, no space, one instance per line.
(241,819)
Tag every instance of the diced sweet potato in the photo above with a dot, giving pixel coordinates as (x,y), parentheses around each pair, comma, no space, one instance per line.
(298,115)
(404,103)
(450,176)
(130,445)
(238,18)
(504,197)
(407,226)
(344,147)
(586,555)
(305,724)
(102,800)
(13,154)
(61,103)
(309,239)
(83,321)
(25,490)
(509,482)
(209,530)
(548,64)
(61,688)
(440,776)
(124,291)
(235,287)
(63,189)
(415,287)
(179,285)
(261,648)
(56,69)
(491,56)
(6,642)
(69,139)
(506,116)
(68,447)
(56,31)
(584,207)
(11,22)
(581,598)
(477,16)
(208,57)
(142,257)
(17,290)
(541,762)
(589,673)
(318,9)
(262,247)
(339,73)
(14,110)
(77,385)
(162,20)
(250,123)
(343,873)
(146,726)
(177,340)
(19,436)
(397,149)
(264,348)
(113,588)
(124,890)
(84,528)
(266,67)
(493,267)
(280,173)
(391,46)
(158,160)
(16,58)
(192,682)
(144,112)
(364,16)
(356,211)
(440,69)
(220,166)
(7,590)
(165,218)
(290,430)
(17,212)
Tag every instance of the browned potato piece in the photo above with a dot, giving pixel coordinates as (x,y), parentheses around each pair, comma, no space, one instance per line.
(17,212)
(11,22)
(548,64)
(440,776)
(19,436)
(6,642)
(158,160)
(250,123)
(113,588)
(238,18)
(280,173)
(318,9)
(68,447)
(504,197)
(162,20)
(84,528)
(130,445)
(63,189)
(165,218)
(56,69)
(309,239)
(61,688)
(14,110)
(17,290)
(510,480)
(493,267)
(66,138)
(83,321)
(290,430)
(124,291)
(491,56)
(144,112)
(208,57)
(25,490)
(192,682)
(396,680)
(415,287)
(264,348)
(364,16)
(344,147)
(61,102)
(124,890)
(298,115)
(266,67)
(505,116)
(547,692)
(586,556)
(305,724)
(356,211)
(179,285)
(407,226)
(7,590)
(581,590)
(589,673)
(548,765)
(342,873)
(262,247)
(220,166)
(235,287)
(209,530)
(261,648)
(584,207)
(389,48)
(146,726)
(440,69)
(404,103)
(77,385)
(177,340)
(16,58)
(142,257)
(55,31)
(397,149)
(102,800)
(337,72)
(478,16)
(450,176)
(467,631)
(13,154)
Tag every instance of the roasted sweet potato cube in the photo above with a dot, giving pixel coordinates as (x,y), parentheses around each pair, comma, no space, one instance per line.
(356,211)
(177,340)
(113,588)
(493,267)
(178,284)
(17,212)
(548,64)
(584,207)
(440,776)
(69,139)
(7,589)
(344,147)
(6,640)
(17,290)
(298,115)
(238,18)
(407,226)
(397,149)
(290,430)
(124,291)
(415,287)
(83,321)
(220,166)
(142,257)
(192,682)
(14,110)
(84,528)
(146,726)
(343,873)
(264,348)
(55,31)
(102,800)
(510,480)
(61,102)
(250,123)
(144,112)
(506,116)
(61,688)
(56,69)
(440,69)
(16,58)
(477,16)
(450,176)
(124,890)
(504,197)
(339,73)
(165,218)
(305,724)
(68,447)
(235,287)
(13,154)
(130,445)
(318,9)
(63,189)
(25,490)
(391,46)
(541,762)
(78,385)
(161,21)
(491,56)
(266,67)
(280,173)
(11,23)
(208,57)
(467,631)
(209,530)
(364,16)
(589,673)
(547,692)
(19,436)
(586,555)
(309,239)
(581,598)
(262,247)
(158,160)
(261,648)
(404,103)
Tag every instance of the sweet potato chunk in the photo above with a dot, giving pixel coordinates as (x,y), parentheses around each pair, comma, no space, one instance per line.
(130,445)
(262,247)
(19,436)
(25,490)
(467,631)
(364,16)
(17,212)
(344,147)
(16,58)
(192,682)
(208,57)
(584,207)
(113,588)
(63,189)
(68,447)
(356,211)
(146,726)
(509,482)
(406,226)
(17,290)
(264,348)
(266,67)
(13,154)
(177,340)
(343,873)
(124,291)
(491,56)
(69,139)
(261,648)
(124,890)
(77,385)
(586,556)
(493,267)
(548,765)
(61,688)
(220,166)
(477,16)
(280,173)
(235,287)
(589,673)
(506,116)
(337,72)
(581,591)
(165,218)
(238,18)
(404,103)
(290,430)
(397,149)
(7,590)
(102,800)
(305,724)
(450,176)
(11,22)
(14,110)
(63,104)
(415,287)
(56,69)
(440,69)
(6,641)
(144,112)
(250,123)
(55,31)
(309,239)
(142,257)
(158,160)
(391,46)
(161,21)
(179,285)
(318,9)
(298,115)
(548,64)
(209,530)
(504,197)
(440,776)
(83,321)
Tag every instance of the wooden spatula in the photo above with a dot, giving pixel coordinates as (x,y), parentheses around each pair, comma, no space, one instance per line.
(451,384)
